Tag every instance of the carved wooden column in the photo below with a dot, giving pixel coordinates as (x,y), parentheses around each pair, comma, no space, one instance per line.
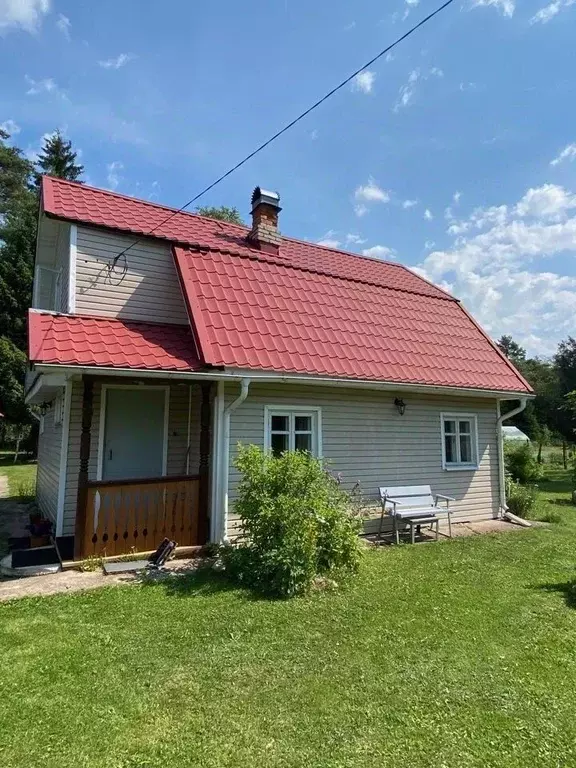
(204,467)
(85,438)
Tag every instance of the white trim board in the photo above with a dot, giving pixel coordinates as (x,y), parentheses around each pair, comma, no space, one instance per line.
(64,458)
(102,421)
(72,256)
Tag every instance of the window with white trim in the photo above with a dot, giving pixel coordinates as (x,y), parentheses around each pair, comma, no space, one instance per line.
(48,288)
(459,441)
(58,410)
(289,429)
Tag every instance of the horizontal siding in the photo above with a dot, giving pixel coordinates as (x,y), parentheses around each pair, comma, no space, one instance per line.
(367,441)
(177,440)
(48,474)
(142,286)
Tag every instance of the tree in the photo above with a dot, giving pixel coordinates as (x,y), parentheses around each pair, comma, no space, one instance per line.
(57,158)
(12,405)
(222,213)
(565,362)
(513,351)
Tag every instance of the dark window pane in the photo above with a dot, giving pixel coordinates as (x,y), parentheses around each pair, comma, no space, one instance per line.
(466,449)
(464,427)
(280,423)
(303,442)
(303,424)
(450,445)
(279,444)
(450,427)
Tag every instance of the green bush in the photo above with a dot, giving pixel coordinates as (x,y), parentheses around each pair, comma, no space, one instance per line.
(521,464)
(297,524)
(521,499)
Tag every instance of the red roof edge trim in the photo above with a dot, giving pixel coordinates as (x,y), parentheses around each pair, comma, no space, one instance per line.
(47,202)
(193,307)
(498,350)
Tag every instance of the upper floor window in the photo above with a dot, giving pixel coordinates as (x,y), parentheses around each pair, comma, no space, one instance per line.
(47,288)
(459,441)
(292,429)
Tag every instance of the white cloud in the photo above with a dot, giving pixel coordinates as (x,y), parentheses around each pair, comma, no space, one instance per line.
(506,7)
(379,252)
(360,210)
(10,127)
(409,204)
(314,134)
(568,153)
(113,176)
(371,193)
(456,197)
(364,81)
(549,201)
(389,57)
(46,85)
(429,244)
(64,25)
(497,266)
(428,214)
(354,239)
(549,11)
(23,14)
(116,62)
(407,91)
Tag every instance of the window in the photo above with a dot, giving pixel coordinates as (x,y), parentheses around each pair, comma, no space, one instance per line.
(459,441)
(292,429)
(47,288)
(58,410)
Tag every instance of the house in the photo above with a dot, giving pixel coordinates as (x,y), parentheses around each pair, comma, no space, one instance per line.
(513,434)
(159,340)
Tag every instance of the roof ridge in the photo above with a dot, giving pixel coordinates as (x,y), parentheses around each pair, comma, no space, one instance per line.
(150,203)
(237,227)
(267,258)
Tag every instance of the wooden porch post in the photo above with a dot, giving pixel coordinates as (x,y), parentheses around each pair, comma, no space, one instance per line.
(87,409)
(204,468)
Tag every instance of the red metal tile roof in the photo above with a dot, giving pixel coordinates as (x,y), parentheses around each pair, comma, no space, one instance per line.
(263,314)
(108,342)
(309,309)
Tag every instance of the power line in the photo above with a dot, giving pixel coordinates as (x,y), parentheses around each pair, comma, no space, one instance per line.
(289,125)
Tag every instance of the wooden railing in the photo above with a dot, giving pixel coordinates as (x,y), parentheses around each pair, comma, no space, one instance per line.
(123,516)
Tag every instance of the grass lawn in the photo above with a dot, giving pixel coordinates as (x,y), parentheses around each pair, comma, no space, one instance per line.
(459,654)
(20,476)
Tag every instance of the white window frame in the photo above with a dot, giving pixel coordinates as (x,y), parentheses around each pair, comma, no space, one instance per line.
(102,421)
(292,411)
(457,417)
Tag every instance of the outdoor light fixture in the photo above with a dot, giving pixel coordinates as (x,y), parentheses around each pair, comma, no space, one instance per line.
(43,408)
(401,405)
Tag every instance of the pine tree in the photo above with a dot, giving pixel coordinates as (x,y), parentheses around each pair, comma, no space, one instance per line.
(57,158)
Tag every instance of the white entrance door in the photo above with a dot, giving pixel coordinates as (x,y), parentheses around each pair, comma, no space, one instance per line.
(134,434)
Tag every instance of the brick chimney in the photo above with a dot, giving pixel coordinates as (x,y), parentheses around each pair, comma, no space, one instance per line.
(264,234)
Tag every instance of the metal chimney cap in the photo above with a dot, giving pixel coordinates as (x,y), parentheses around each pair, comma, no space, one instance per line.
(265,196)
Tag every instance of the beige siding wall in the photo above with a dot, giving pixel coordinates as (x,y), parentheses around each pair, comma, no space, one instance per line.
(148,290)
(176,462)
(49,445)
(366,439)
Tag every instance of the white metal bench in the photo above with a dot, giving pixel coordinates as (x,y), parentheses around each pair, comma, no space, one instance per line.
(414,505)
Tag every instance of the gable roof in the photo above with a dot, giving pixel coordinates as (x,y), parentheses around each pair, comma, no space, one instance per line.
(110,343)
(309,309)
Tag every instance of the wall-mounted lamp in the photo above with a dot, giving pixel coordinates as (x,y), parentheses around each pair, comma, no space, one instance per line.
(43,408)
(401,405)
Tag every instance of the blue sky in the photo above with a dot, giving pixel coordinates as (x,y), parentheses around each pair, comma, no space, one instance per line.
(456,156)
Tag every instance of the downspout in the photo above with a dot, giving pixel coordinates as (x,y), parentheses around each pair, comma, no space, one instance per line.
(504,513)
(225,458)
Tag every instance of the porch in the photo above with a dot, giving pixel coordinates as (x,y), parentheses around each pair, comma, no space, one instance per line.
(138,465)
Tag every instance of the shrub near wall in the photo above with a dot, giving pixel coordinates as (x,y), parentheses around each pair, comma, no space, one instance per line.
(297,522)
